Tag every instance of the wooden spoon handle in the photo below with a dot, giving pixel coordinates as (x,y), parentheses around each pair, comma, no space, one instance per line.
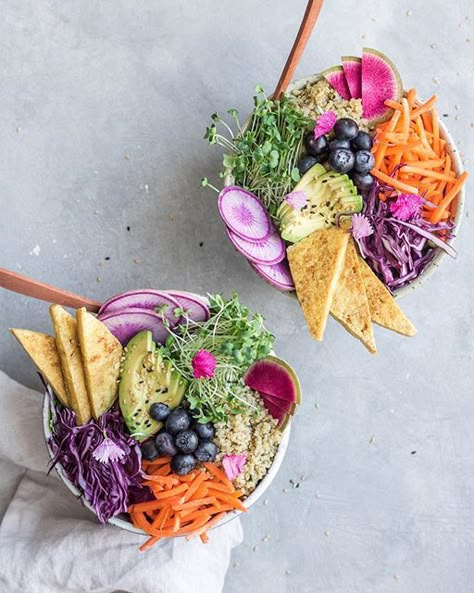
(39,290)
(313,8)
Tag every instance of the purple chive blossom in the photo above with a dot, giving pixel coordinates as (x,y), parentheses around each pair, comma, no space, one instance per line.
(297,199)
(107,451)
(361,226)
(233,465)
(406,206)
(204,364)
(325,123)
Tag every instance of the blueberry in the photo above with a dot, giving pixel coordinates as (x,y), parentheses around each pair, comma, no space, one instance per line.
(165,444)
(364,162)
(363,182)
(339,143)
(346,128)
(159,411)
(204,431)
(315,146)
(341,160)
(305,163)
(206,451)
(178,420)
(149,450)
(362,141)
(183,464)
(186,441)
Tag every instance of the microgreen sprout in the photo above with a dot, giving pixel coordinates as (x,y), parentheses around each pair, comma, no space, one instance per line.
(263,154)
(235,338)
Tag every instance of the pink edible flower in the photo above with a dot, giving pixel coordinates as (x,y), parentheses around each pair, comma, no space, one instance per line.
(107,451)
(233,465)
(325,123)
(361,226)
(204,364)
(297,199)
(406,206)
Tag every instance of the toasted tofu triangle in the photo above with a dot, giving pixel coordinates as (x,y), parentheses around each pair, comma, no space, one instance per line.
(71,362)
(42,350)
(101,355)
(316,263)
(383,307)
(350,305)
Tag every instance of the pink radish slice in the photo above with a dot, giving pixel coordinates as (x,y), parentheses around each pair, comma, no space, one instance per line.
(270,379)
(148,299)
(267,252)
(244,214)
(336,78)
(275,411)
(126,323)
(195,306)
(278,275)
(352,67)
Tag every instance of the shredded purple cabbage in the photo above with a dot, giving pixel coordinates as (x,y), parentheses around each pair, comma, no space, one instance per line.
(398,252)
(106,486)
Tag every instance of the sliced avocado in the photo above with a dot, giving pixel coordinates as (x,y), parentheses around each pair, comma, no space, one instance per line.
(146,377)
(328,194)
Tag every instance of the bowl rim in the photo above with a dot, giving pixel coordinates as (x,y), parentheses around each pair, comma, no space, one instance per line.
(123,523)
(459,200)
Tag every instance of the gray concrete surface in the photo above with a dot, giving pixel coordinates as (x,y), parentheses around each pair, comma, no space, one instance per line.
(103,107)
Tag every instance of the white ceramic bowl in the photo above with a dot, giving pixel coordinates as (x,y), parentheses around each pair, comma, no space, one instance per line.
(459,201)
(121,520)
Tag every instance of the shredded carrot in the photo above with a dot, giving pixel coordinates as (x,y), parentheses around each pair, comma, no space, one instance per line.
(220,475)
(448,198)
(411,138)
(393,182)
(184,505)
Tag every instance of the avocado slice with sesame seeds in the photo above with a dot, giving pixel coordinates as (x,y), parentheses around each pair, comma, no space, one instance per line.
(146,377)
(327,194)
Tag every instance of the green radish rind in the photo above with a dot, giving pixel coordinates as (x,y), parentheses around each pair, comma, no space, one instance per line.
(396,95)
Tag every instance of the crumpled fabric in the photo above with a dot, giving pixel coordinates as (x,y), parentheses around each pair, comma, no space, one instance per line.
(50,543)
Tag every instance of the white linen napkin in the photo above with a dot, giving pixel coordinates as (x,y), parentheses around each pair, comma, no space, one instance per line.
(50,543)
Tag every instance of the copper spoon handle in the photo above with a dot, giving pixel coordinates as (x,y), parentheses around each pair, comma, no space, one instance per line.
(39,290)
(313,8)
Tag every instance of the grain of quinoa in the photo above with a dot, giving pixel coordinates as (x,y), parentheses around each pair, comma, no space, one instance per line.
(319,96)
(254,434)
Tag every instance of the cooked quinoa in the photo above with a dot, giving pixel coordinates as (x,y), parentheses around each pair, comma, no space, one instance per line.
(254,434)
(319,96)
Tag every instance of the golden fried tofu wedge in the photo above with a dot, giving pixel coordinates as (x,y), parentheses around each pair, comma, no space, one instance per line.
(316,263)
(101,355)
(71,362)
(350,305)
(383,307)
(43,352)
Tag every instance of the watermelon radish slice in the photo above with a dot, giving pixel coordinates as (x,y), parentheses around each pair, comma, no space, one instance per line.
(195,307)
(244,214)
(278,275)
(380,81)
(276,411)
(278,402)
(274,377)
(352,67)
(126,323)
(278,386)
(148,299)
(336,78)
(268,252)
